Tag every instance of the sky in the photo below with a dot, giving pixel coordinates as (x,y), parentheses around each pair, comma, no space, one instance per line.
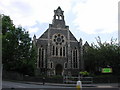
(87,19)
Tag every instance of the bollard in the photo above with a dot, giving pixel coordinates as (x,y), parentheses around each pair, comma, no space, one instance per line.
(79,85)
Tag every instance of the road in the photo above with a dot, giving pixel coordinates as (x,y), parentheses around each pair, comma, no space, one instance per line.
(7,85)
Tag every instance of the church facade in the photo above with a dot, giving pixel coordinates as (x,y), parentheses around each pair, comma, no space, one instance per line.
(58,51)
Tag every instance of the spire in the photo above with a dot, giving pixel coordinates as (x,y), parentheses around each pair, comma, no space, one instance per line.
(58,19)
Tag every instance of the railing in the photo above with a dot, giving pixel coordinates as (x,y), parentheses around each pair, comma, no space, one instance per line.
(73,80)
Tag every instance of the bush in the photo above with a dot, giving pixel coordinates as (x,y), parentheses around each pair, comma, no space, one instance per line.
(84,73)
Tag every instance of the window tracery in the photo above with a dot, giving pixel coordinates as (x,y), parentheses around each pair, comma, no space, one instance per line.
(58,39)
(74,58)
(58,48)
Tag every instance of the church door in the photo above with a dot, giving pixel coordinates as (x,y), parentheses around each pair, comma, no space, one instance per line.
(58,69)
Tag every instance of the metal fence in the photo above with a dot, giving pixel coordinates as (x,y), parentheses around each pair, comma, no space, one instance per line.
(73,80)
(90,80)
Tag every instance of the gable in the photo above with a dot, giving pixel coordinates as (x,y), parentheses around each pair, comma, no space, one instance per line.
(44,35)
(72,38)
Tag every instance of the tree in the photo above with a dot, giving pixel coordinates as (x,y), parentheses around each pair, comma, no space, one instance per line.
(17,48)
(102,55)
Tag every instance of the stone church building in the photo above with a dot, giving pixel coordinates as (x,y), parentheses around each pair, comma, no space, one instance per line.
(58,51)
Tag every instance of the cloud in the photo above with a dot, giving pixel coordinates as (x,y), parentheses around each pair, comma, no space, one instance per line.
(96,16)
(33,30)
(40,10)
(89,16)
(28,12)
(20,12)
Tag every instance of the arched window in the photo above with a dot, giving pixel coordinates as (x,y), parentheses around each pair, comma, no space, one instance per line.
(61,51)
(56,51)
(51,65)
(60,17)
(65,65)
(76,63)
(57,17)
(53,51)
(74,58)
(41,57)
(58,48)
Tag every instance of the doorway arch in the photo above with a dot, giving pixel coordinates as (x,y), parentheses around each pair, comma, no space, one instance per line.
(58,69)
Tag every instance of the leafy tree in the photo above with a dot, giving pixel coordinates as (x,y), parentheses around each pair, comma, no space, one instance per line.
(102,55)
(18,54)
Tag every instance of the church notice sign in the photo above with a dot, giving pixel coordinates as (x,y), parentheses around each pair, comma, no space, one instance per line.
(106,70)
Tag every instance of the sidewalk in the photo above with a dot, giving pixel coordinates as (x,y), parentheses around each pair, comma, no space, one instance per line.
(74,85)
(101,85)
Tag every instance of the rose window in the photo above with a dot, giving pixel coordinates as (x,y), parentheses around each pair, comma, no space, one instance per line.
(58,39)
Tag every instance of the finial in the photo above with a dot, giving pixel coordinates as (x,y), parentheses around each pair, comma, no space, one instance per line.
(34,37)
(86,43)
(80,40)
(59,7)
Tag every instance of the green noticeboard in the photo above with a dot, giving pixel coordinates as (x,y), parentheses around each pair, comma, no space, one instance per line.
(106,70)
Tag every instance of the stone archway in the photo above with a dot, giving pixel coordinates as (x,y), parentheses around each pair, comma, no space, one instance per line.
(58,69)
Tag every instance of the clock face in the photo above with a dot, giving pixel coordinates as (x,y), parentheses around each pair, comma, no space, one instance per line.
(58,39)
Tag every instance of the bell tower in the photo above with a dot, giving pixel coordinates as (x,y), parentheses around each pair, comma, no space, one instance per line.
(58,19)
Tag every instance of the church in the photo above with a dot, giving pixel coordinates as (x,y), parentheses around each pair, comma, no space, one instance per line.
(58,51)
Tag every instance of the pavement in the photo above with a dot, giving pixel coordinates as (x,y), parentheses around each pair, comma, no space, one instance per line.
(101,85)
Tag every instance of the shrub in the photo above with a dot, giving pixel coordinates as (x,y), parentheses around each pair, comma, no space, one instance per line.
(84,73)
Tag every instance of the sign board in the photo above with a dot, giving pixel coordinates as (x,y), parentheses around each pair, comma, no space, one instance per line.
(106,70)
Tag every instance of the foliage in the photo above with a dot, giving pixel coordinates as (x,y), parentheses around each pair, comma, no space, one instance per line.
(84,73)
(17,51)
(102,55)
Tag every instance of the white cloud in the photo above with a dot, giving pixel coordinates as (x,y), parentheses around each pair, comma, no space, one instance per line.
(28,12)
(96,16)
(33,30)
(32,10)
(92,16)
